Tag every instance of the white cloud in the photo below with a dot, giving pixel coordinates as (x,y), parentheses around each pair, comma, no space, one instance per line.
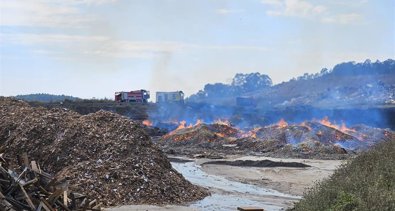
(272,2)
(225,11)
(93,2)
(230,47)
(77,46)
(343,18)
(354,3)
(298,8)
(46,13)
(308,10)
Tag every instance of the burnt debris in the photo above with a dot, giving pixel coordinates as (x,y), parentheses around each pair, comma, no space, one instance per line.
(315,139)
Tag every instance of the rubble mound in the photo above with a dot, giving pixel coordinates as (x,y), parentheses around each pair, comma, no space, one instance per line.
(207,135)
(308,140)
(102,154)
(310,133)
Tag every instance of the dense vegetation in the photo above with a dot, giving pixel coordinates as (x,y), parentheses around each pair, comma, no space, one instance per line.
(241,84)
(364,183)
(352,68)
(42,97)
(346,84)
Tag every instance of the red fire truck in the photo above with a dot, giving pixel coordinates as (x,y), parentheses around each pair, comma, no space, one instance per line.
(137,96)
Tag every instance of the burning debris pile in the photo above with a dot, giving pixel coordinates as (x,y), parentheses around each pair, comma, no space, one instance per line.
(215,136)
(33,189)
(103,154)
(201,133)
(320,139)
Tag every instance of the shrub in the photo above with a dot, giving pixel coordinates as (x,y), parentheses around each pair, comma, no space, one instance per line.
(365,183)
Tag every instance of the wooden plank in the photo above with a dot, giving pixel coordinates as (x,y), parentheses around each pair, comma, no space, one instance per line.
(46,205)
(39,168)
(97,207)
(24,160)
(20,176)
(2,156)
(34,166)
(4,181)
(27,197)
(54,196)
(92,203)
(43,190)
(65,198)
(62,205)
(40,206)
(30,182)
(83,203)
(79,196)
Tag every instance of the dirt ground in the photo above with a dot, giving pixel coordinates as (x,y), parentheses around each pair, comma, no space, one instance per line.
(284,179)
(287,180)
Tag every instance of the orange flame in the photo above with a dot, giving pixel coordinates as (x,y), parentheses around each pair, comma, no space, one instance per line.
(198,122)
(325,121)
(220,135)
(343,128)
(182,125)
(253,132)
(282,123)
(147,123)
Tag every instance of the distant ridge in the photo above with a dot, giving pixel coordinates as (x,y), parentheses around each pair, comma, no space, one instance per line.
(347,83)
(45,98)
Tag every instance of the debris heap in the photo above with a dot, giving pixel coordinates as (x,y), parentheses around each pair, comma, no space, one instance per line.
(102,154)
(202,134)
(308,140)
(33,189)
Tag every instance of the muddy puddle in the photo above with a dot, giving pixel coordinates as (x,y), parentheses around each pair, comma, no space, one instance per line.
(228,195)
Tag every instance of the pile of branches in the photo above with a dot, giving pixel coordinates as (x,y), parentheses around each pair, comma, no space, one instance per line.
(35,190)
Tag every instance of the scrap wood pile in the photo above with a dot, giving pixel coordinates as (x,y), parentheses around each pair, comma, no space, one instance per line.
(35,190)
(209,135)
(104,155)
(308,139)
(356,138)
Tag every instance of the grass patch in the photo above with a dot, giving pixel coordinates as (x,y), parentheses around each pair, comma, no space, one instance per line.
(365,183)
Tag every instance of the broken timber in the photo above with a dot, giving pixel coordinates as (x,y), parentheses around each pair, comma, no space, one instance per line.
(36,190)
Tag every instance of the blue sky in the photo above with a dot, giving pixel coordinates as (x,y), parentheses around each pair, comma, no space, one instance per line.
(92,48)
